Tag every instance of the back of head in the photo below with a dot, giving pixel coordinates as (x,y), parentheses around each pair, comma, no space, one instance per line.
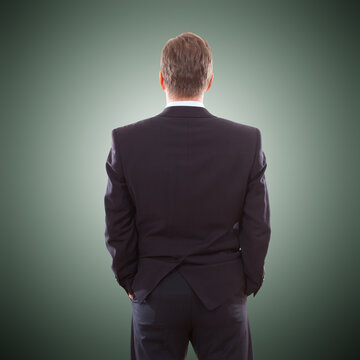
(186,65)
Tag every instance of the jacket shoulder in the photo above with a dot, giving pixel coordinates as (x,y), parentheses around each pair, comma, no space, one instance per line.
(128,129)
(239,128)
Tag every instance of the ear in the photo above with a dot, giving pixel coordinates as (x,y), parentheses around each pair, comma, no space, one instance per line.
(210,82)
(161,79)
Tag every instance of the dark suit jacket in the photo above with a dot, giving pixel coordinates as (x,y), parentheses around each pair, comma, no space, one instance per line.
(187,189)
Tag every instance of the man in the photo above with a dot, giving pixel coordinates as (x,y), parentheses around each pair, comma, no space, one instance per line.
(187,217)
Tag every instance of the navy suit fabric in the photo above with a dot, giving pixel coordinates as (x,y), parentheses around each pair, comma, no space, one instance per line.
(172,315)
(186,190)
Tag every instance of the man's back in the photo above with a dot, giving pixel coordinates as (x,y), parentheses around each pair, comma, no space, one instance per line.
(187,217)
(193,196)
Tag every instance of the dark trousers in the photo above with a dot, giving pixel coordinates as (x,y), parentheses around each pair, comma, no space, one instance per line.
(172,315)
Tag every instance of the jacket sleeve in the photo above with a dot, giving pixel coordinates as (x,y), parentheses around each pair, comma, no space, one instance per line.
(120,225)
(255,227)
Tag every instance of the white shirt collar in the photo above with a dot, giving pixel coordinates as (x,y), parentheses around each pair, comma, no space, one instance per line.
(185,103)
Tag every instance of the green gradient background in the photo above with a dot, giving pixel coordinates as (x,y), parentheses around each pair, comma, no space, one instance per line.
(80,69)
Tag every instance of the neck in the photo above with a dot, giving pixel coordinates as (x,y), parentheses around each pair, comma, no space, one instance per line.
(170,99)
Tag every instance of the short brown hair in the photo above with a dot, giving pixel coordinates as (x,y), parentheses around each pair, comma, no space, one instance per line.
(186,65)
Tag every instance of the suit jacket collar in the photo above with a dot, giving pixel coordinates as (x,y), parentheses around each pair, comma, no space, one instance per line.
(185,111)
